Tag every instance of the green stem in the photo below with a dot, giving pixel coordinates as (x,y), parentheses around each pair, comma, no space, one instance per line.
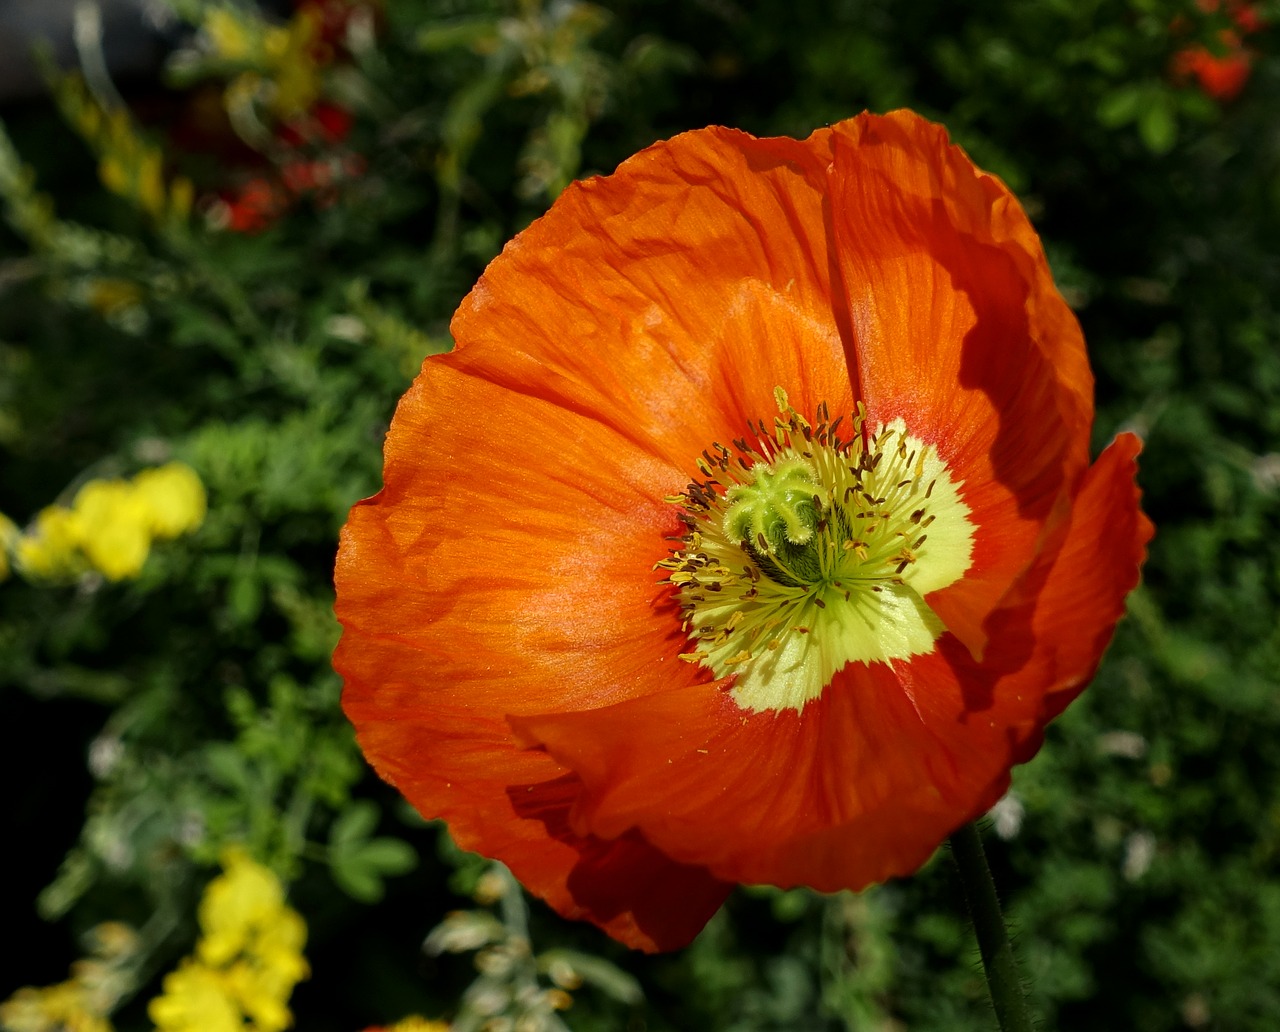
(988,925)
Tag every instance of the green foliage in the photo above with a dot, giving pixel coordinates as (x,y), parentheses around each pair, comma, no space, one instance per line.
(194,706)
(360,863)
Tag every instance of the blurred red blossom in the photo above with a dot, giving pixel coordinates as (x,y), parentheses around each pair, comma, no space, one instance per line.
(315,169)
(1221,72)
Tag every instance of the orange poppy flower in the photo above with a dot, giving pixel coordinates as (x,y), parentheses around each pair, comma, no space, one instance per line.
(748,535)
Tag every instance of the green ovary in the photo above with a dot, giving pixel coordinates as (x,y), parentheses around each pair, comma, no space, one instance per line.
(775,517)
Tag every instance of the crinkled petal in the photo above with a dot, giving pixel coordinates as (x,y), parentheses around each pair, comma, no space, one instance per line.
(486,572)
(438,648)
(1084,596)
(513,804)
(700,267)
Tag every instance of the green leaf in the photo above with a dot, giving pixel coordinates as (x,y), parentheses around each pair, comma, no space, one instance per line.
(391,856)
(359,881)
(1121,106)
(228,766)
(464,32)
(1158,128)
(354,825)
(360,869)
(244,598)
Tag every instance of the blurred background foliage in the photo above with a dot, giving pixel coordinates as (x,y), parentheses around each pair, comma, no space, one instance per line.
(233,268)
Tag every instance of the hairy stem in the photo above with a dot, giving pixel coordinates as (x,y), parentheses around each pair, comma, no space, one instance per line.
(988,925)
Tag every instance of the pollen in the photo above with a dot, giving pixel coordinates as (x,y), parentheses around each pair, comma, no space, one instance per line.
(806,550)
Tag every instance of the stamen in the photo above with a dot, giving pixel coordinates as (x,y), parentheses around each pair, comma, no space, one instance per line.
(803,522)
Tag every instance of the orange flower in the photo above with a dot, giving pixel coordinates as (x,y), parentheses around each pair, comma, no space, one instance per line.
(1222,75)
(861,625)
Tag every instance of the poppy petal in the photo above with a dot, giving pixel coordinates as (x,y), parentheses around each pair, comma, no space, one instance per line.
(514,804)
(485,572)
(639,895)
(713,238)
(1084,595)
(412,693)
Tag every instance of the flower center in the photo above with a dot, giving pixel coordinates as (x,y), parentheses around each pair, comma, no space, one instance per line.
(805,551)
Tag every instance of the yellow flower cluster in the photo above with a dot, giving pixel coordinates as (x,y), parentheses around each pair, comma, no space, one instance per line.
(278,69)
(109,526)
(129,165)
(246,963)
(417,1024)
(66,1007)
(81,1003)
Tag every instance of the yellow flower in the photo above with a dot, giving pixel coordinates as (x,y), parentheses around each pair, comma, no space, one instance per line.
(107,295)
(129,164)
(82,1003)
(114,174)
(230,37)
(149,186)
(109,526)
(277,65)
(239,902)
(65,1007)
(113,527)
(417,1024)
(279,945)
(174,498)
(263,994)
(182,193)
(51,550)
(113,941)
(248,959)
(296,74)
(195,999)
